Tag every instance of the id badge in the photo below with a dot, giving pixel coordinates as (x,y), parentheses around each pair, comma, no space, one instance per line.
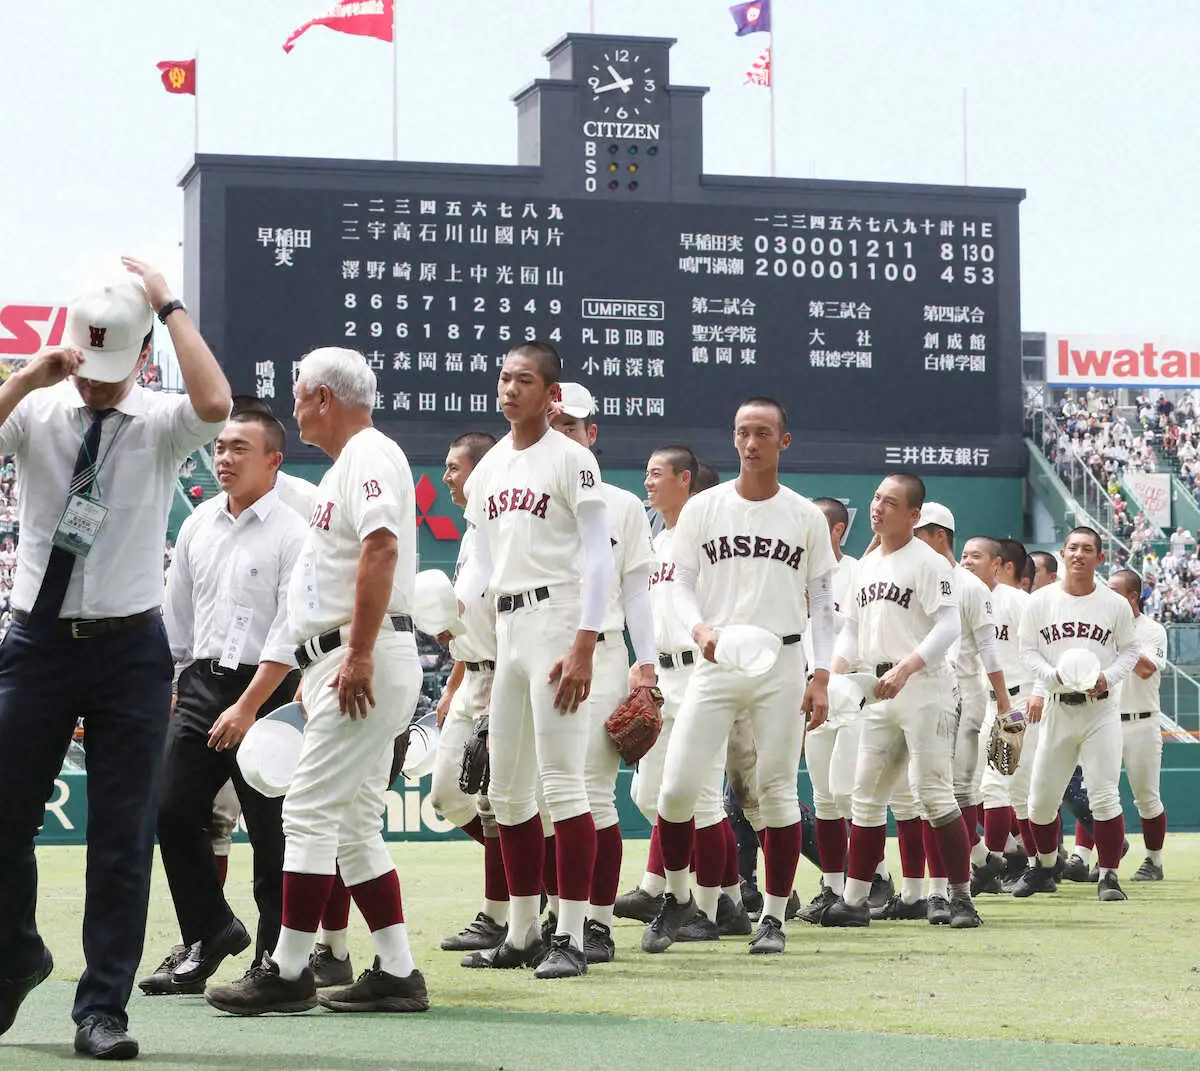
(235,641)
(79,525)
(310,598)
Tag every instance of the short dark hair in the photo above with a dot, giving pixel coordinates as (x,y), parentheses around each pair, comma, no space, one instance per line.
(273,432)
(247,403)
(770,403)
(681,459)
(547,357)
(1046,560)
(1083,529)
(476,444)
(949,532)
(992,545)
(834,510)
(914,488)
(1130,581)
(1013,552)
(706,477)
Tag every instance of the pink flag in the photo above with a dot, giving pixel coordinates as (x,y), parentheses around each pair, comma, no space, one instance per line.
(366,18)
(760,69)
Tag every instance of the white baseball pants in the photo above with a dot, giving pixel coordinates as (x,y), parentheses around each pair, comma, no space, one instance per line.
(966,770)
(1088,735)
(226,809)
(831,754)
(1142,755)
(469,701)
(997,789)
(610,686)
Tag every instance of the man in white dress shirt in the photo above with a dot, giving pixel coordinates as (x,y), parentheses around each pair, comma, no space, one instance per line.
(98,458)
(226,616)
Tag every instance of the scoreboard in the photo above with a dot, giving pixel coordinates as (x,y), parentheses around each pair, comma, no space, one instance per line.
(885,317)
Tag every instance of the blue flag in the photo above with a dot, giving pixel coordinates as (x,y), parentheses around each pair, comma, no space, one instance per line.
(753,17)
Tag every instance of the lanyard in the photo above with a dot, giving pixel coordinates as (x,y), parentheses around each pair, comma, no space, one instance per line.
(98,465)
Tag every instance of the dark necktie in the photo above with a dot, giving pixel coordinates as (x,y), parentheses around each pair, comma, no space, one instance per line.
(62,562)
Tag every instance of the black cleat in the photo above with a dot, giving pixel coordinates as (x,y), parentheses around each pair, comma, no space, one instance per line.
(103,1037)
(507,958)
(549,926)
(1077,870)
(598,946)
(840,913)
(638,904)
(793,907)
(1148,871)
(1060,864)
(963,915)
(1036,879)
(897,910)
(377,991)
(261,990)
(812,911)
(660,934)
(1015,864)
(483,932)
(564,960)
(204,957)
(937,911)
(882,890)
(161,983)
(752,899)
(1109,889)
(14,990)
(985,878)
(328,969)
(699,928)
(732,919)
(769,937)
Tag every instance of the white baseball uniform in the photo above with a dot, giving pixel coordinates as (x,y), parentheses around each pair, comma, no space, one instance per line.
(1139,705)
(333,811)
(751,563)
(975,606)
(1077,730)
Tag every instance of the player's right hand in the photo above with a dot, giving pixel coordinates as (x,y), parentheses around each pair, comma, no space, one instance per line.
(706,640)
(1033,712)
(573,674)
(50,365)
(443,707)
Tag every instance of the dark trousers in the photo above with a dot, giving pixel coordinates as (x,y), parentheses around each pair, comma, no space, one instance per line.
(747,839)
(120,683)
(193,775)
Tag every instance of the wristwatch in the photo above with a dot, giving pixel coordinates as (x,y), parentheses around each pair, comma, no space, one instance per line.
(168,308)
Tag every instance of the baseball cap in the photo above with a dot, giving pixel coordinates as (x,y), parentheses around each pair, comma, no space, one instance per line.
(577,400)
(935,513)
(109,324)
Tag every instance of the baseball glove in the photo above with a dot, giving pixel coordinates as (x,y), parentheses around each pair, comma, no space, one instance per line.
(1005,743)
(476,771)
(399,752)
(635,724)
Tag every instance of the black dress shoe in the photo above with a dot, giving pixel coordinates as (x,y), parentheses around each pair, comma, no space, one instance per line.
(204,957)
(103,1037)
(162,981)
(15,990)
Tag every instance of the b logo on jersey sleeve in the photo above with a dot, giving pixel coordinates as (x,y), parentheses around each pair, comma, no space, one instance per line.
(586,478)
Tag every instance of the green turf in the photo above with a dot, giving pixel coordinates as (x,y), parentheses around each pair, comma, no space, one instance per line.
(1062,969)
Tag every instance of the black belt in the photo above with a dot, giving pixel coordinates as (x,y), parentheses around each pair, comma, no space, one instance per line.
(479,667)
(1142,716)
(82,628)
(684,658)
(1012,691)
(883,667)
(1077,699)
(331,639)
(795,637)
(211,665)
(506,604)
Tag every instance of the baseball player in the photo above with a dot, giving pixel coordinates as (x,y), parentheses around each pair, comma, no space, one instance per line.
(746,552)
(349,602)
(1080,727)
(467,695)
(901,624)
(543,555)
(831,751)
(1139,704)
(612,679)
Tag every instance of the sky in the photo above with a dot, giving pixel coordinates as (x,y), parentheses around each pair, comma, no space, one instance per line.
(1089,107)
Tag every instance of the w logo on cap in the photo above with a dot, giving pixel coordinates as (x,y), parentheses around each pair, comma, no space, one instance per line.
(96,335)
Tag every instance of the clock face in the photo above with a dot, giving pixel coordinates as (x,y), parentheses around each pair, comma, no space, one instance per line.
(624,84)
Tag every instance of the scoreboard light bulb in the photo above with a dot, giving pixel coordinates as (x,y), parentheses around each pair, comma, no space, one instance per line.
(633,150)
(614,184)
(614,149)
(633,185)
(632,168)
(612,167)
(652,151)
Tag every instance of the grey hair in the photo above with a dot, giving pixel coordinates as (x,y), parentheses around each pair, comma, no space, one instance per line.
(345,372)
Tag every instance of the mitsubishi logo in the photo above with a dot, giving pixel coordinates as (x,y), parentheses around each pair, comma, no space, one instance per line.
(439,527)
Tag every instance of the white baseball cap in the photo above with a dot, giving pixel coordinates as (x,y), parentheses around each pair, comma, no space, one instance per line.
(935,513)
(1078,669)
(747,650)
(423,737)
(270,750)
(577,400)
(109,324)
(435,606)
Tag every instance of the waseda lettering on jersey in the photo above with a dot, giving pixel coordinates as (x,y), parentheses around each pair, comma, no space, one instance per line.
(518,498)
(663,574)
(744,546)
(1002,633)
(322,516)
(1076,630)
(886,592)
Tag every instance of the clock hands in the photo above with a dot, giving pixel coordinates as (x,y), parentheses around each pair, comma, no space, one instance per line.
(620,83)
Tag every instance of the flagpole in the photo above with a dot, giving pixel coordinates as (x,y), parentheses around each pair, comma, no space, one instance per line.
(964,132)
(771,91)
(591,16)
(196,105)
(395,81)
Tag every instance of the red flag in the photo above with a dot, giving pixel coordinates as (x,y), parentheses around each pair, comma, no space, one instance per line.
(366,18)
(179,76)
(760,69)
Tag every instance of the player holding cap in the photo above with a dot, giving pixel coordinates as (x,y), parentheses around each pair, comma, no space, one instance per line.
(543,554)
(1082,724)
(467,695)
(612,679)
(348,601)
(901,624)
(746,553)
(1139,705)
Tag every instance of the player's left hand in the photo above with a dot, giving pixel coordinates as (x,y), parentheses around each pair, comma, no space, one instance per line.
(1099,687)
(891,682)
(230,727)
(1003,704)
(157,291)
(353,683)
(706,640)
(816,700)
(443,638)
(573,675)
